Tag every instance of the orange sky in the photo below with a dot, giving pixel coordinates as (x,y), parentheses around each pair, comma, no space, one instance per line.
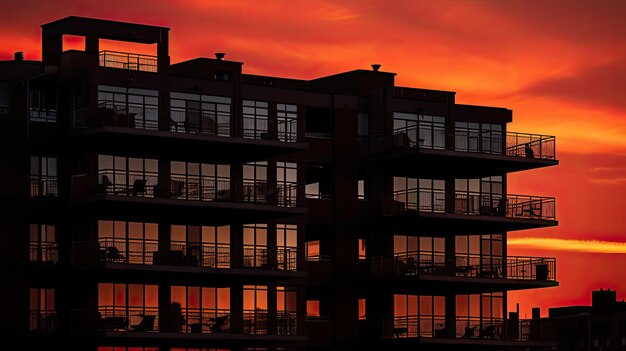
(559,65)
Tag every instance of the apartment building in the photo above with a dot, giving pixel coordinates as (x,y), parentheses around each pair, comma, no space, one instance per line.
(190,206)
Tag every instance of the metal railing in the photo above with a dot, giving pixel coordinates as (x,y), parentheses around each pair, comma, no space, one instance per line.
(479,266)
(124,250)
(185,187)
(201,188)
(191,121)
(511,206)
(129,183)
(286,323)
(131,318)
(531,268)
(209,255)
(44,186)
(255,321)
(206,321)
(44,322)
(109,115)
(530,145)
(44,252)
(128,61)
(517,144)
(477,328)
(409,264)
(422,200)
(414,326)
(43,115)
(261,257)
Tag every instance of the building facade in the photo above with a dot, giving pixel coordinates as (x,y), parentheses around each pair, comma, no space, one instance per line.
(189,206)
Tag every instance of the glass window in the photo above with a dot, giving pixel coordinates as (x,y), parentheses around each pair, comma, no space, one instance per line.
(43,176)
(287,118)
(43,317)
(362,249)
(200,309)
(363,124)
(255,309)
(362,309)
(255,251)
(255,187)
(312,308)
(127,242)
(127,176)
(43,245)
(287,183)
(128,107)
(43,105)
(287,246)
(418,316)
(255,119)
(200,181)
(361,189)
(200,114)
(128,306)
(286,307)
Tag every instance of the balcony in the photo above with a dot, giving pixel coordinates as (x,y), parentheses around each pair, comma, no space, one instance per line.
(466,273)
(255,322)
(472,213)
(254,200)
(207,255)
(125,319)
(128,251)
(44,252)
(44,186)
(260,257)
(206,321)
(43,322)
(469,156)
(467,330)
(129,61)
(106,115)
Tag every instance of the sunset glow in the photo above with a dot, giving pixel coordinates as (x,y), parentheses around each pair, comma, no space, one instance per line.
(559,65)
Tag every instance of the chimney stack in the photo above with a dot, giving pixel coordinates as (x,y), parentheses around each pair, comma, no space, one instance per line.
(220,55)
(375,67)
(18,56)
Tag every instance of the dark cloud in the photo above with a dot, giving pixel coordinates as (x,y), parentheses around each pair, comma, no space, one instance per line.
(601,86)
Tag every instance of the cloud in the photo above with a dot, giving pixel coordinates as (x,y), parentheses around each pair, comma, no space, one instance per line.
(591,246)
(600,85)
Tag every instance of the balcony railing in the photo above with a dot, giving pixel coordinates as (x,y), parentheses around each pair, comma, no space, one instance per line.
(511,206)
(133,251)
(517,144)
(202,254)
(108,115)
(531,268)
(422,200)
(44,322)
(513,267)
(415,263)
(530,145)
(262,257)
(206,321)
(128,61)
(44,252)
(200,188)
(471,328)
(191,121)
(131,183)
(418,326)
(255,321)
(43,115)
(44,186)
(286,323)
(122,318)
(145,184)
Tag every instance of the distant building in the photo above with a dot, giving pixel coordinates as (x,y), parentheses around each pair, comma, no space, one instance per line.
(599,327)
(189,206)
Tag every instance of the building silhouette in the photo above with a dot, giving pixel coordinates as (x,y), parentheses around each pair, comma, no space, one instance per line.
(159,206)
(599,327)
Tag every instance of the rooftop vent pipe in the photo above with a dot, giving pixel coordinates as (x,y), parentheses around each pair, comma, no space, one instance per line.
(220,55)
(375,67)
